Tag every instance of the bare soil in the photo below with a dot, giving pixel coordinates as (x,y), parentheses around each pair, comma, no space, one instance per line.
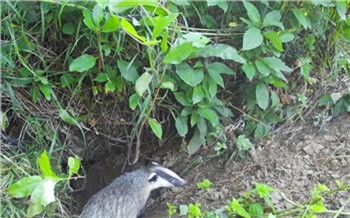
(293,162)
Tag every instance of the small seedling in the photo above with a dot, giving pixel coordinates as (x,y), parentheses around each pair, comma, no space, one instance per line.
(171,209)
(204,185)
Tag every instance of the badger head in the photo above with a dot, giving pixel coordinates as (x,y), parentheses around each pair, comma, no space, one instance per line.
(161,177)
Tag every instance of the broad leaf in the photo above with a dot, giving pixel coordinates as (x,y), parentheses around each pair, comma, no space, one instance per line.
(215,75)
(301,17)
(88,20)
(74,166)
(112,24)
(253,13)
(156,127)
(276,64)
(66,117)
(252,39)
(190,76)
(45,165)
(46,90)
(181,125)
(220,68)
(24,187)
(274,39)
(197,39)
(131,30)
(127,70)
(162,24)
(209,115)
(198,94)
(262,95)
(262,67)
(178,54)
(223,51)
(249,70)
(133,101)
(82,63)
(181,98)
(142,83)
(42,195)
(97,15)
(195,143)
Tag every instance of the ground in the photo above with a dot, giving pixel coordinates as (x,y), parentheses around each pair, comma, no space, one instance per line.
(292,161)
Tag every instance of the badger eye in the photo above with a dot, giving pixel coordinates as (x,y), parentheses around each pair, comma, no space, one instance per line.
(172,180)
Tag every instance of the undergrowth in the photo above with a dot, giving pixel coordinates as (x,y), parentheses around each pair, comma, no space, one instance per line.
(258,203)
(215,72)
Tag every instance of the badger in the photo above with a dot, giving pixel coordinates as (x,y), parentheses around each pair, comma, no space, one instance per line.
(127,195)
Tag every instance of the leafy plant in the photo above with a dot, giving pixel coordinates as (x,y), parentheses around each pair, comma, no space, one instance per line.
(41,187)
(204,185)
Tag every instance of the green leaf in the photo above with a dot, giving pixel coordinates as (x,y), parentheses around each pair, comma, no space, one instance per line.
(243,143)
(101,77)
(45,165)
(42,195)
(167,85)
(181,125)
(181,98)
(111,24)
(66,79)
(74,166)
(253,13)
(262,67)
(66,117)
(179,53)
(220,68)
(275,99)
(276,64)
(164,43)
(24,187)
(252,39)
(317,208)
(210,115)
(215,75)
(88,20)
(82,63)
(300,17)
(97,15)
(34,94)
(127,70)
(341,9)
(162,24)
(156,127)
(262,95)
(223,51)
(273,18)
(194,118)
(197,39)
(134,100)
(68,28)
(198,94)
(256,209)
(212,89)
(259,131)
(131,30)
(249,70)
(286,36)
(195,143)
(46,90)
(274,39)
(142,83)
(188,75)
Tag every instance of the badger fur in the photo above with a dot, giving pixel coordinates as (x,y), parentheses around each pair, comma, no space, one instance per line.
(126,196)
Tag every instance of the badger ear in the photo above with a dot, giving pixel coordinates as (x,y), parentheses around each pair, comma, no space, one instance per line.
(152,177)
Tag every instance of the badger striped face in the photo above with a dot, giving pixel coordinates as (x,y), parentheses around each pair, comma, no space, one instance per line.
(161,177)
